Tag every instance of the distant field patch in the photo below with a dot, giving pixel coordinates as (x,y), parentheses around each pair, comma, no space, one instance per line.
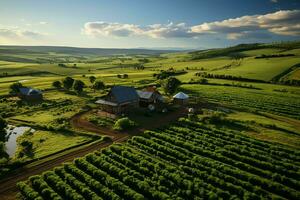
(294,75)
(261,69)
(256,100)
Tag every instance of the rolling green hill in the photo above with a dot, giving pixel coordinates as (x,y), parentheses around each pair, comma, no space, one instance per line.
(46,54)
(262,62)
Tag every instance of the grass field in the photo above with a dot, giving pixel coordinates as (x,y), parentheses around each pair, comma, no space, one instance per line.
(285,131)
(46,142)
(261,69)
(253,153)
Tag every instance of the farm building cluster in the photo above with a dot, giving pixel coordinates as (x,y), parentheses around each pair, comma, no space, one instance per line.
(120,99)
(123,99)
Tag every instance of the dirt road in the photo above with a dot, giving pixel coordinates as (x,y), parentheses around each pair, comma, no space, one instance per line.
(8,188)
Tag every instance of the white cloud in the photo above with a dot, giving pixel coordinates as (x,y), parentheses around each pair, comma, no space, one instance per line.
(15,33)
(170,30)
(110,29)
(285,22)
(43,23)
(124,30)
(282,23)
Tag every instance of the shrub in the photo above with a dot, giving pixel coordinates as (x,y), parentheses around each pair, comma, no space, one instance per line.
(15,88)
(124,124)
(170,85)
(217,117)
(78,86)
(192,117)
(56,84)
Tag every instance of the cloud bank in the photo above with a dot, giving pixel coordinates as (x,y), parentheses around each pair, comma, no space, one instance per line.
(123,30)
(285,22)
(17,34)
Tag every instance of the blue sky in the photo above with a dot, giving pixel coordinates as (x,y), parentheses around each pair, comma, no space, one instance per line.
(150,24)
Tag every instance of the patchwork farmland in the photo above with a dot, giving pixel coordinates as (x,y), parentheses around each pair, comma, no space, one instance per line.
(214,124)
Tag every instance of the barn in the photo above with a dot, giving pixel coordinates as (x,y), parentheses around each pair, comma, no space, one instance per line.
(120,99)
(30,94)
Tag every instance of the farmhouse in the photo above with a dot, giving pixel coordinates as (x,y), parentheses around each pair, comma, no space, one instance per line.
(149,96)
(181,98)
(30,94)
(119,99)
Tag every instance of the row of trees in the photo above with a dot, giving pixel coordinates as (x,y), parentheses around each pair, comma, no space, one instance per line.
(228,77)
(168,73)
(3,125)
(292,82)
(68,83)
(274,56)
(122,75)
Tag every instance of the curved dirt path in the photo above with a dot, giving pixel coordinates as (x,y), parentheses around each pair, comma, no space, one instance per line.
(78,122)
(8,189)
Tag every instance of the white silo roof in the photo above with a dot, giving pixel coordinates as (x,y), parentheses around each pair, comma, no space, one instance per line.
(181,95)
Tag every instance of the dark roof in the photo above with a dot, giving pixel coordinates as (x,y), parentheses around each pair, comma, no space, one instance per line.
(124,94)
(29,91)
(144,94)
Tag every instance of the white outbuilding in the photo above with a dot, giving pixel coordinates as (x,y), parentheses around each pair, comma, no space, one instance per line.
(181,98)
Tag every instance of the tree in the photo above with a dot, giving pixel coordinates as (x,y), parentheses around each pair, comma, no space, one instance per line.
(92,79)
(68,83)
(203,81)
(170,85)
(15,88)
(98,85)
(78,86)
(62,65)
(124,124)
(56,84)
(3,125)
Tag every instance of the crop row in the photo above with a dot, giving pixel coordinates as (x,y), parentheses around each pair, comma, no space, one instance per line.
(187,160)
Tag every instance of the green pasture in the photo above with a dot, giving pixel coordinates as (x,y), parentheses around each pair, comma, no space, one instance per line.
(264,86)
(258,52)
(261,69)
(285,131)
(46,142)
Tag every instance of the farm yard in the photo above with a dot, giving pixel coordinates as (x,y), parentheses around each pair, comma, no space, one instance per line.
(236,136)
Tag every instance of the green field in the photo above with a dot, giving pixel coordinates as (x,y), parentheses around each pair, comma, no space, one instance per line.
(185,161)
(250,151)
(46,142)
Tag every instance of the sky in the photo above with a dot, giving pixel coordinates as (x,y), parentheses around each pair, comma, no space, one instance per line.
(187,24)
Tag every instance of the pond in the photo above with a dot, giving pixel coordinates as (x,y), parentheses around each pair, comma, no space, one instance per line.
(13,133)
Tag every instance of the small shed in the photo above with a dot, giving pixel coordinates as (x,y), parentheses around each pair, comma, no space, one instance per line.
(147,97)
(30,94)
(181,98)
